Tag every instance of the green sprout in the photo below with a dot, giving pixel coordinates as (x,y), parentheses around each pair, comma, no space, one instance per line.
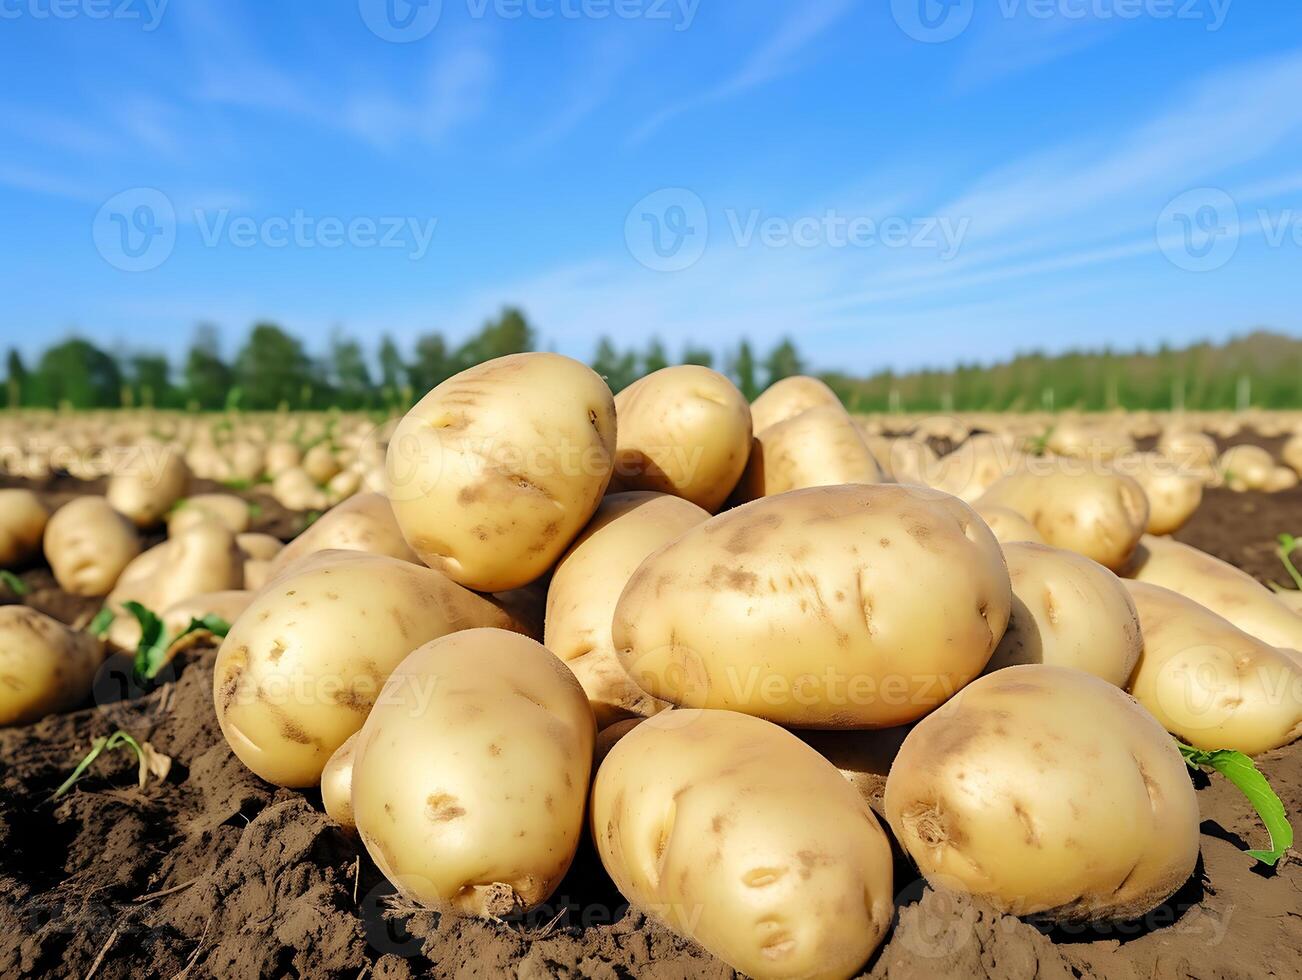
(1287,545)
(16,585)
(1243,773)
(149,760)
(102,621)
(151,652)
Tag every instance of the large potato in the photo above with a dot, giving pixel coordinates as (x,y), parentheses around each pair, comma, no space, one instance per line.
(494,472)
(736,834)
(1099,515)
(787,398)
(22,524)
(586,587)
(838,607)
(44,666)
(819,447)
(485,814)
(1220,587)
(361,523)
(303,664)
(1208,681)
(682,430)
(1068,611)
(1046,791)
(88,544)
(145,489)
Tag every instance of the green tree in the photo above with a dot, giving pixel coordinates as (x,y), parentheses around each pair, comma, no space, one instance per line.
(393,373)
(741,366)
(619,370)
(78,373)
(272,369)
(18,388)
(783,362)
(208,379)
(151,380)
(697,355)
(431,365)
(655,357)
(510,333)
(349,373)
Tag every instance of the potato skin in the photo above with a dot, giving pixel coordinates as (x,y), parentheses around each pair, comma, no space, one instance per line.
(734,833)
(586,587)
(361,523)
(819,447)
(44,666)
(226,508)
(859,606)
(1068,611)
(88,544)
(337,784)
(1174,493)
(1046,791)
(682,430)
(494,472)
(485,818)
(1209,682)
(302,666)
(149,487)
(789,397)
(1096,514)
(1219,586)
(1007,525)
(22,524)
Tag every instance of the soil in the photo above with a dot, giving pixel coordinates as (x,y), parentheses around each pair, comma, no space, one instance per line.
(214,873)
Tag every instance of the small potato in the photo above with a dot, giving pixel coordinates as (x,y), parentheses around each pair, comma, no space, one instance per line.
(586,586)
(44,666)
(88,544)
(1173,493)
(1209,682)
(1188,450)
(22,524)
(343,485)
(902,459)
(1068,611)
(147,486)
(788,398)
(493,473)
(682,430)
(838,607)
(361,523)
(320,463)
(1220,587)
(258,547)
(294,489)
(1281,478)
(973,467)
(1291,453)
(302,666)
(337,785)
(1085,441)
(1246,467)
(1099,515)
(819,447)
(225,508)
(735,834)
(282,456)
(484,816)
(1007,525)
(1046,791)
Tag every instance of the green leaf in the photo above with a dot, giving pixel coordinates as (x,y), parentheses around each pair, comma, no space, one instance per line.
(102,621)
(151,651)
(1243,773)
(16,585)
(1287,545)
(255,511)
(211,623)
(99,747)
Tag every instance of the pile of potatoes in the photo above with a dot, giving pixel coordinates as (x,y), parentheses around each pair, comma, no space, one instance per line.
(739,649)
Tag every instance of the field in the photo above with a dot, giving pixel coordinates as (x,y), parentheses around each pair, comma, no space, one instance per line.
(214,872)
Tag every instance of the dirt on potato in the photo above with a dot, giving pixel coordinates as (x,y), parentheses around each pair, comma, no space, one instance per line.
(214,873)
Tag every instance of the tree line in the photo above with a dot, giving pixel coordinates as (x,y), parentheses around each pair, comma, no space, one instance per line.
(273,370)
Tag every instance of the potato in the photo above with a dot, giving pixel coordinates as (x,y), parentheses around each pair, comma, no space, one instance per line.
(1096,514)
(22,524)
(486,816)
(734,833)
(226,508)
(1068,611)
(1007,525)
(902,459)
(88,544)
(282,456)
(1246,467)
(44,666)
(146,488)
(1281,478)
(493,473)
(819,447)
(320,463)
(294,489)
(1291,598)
(682,430)
(1291,452)
(1210,683)
(789,397)
(973,467)
(586,586)
(361,523)
(258,547)
(1220,587)
(1088,441)
(1188,450)
(337,785)
(343,485)
(1046,791)
(838,607)
(301,667)
(1173,492)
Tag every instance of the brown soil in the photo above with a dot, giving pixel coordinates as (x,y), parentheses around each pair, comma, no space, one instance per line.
(214,873)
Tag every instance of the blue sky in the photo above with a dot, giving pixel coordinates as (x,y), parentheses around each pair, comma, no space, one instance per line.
(894,185)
